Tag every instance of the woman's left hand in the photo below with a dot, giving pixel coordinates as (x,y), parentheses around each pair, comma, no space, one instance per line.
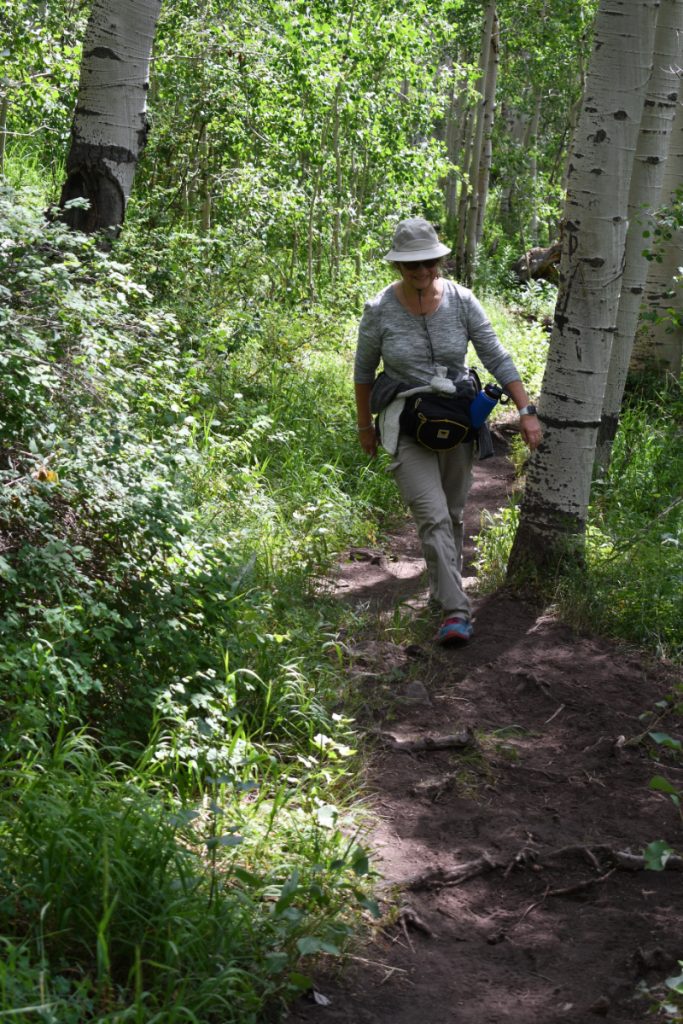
(531,432)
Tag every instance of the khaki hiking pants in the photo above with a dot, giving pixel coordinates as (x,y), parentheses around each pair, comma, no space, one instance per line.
(434,486)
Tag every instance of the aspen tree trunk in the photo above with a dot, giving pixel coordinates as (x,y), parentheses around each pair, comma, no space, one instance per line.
(465,187)
(350,220)
(455,116)
(659,343)
(644,198)
(110,123)
(518,127)
(533,166)
(558,483)
(337,222)
(478,141)
(489,110)
(573,122)
(4,110)
(312,210)
(360,205)
(204,159)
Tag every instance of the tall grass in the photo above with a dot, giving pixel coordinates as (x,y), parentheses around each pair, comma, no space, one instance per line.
(121,902)
(527,341)
(631,586)
(37,169)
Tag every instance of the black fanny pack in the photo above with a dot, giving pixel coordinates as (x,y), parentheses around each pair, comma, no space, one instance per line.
(441,422)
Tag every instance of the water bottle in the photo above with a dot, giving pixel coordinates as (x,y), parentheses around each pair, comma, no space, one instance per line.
(482,405)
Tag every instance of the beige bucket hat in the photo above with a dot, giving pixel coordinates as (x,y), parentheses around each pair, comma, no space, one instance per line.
(415,239)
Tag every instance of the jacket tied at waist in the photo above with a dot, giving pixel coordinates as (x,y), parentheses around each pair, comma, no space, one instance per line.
(388,397)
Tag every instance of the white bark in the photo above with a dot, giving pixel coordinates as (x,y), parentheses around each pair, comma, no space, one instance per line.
(465,186)
(110,124)
(659,344)
(489,110)
(4,108)
(573,121)
(455,118)
(205,179)
(517,126)
(533,166)
(478,138)
(644,198)
(559,476)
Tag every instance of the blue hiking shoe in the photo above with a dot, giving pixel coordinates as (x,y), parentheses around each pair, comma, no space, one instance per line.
(454,630)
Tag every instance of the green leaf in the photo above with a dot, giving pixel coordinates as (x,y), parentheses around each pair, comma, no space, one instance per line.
(360,863)
(300,981)
(663,785)
(310,944)
(664,740)
(656,855)
(676,983)
(247,877)
(287,892)
(6,570)
(327,815)
(371,905)
(215,841)
(275,962)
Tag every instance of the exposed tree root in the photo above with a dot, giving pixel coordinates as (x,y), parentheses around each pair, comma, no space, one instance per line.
(439,878)
(409,918)
(602,858)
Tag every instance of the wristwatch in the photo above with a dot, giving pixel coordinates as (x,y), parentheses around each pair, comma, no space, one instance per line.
(527,410)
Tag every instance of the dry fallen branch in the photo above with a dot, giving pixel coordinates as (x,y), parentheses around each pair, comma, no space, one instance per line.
(455,741)
(555,714)
(434,788)
(588,883)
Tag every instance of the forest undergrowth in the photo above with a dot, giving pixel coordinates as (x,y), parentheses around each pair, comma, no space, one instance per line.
(181,830)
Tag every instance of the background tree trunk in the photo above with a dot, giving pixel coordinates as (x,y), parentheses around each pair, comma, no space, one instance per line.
(559,476)
(659,341)
(478,142)
(465,187)
(455,118)
(646,188)
(4,107)
(204,175)
(533,166)
(489,111)
(110,123)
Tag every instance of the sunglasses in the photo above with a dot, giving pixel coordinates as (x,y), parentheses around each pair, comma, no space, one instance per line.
(416,264)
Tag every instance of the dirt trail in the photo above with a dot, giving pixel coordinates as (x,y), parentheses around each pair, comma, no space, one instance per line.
(549,926)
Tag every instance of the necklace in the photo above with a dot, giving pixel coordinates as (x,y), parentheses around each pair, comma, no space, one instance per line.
(420,304)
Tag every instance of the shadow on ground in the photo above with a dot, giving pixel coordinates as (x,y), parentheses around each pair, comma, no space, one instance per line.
(552,923)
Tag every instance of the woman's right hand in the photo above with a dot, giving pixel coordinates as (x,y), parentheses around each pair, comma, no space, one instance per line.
(368,440)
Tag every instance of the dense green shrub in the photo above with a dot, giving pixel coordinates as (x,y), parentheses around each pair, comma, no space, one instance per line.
(157,510)
(169,503)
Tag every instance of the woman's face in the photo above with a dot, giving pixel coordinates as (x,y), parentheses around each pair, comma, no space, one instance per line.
(419,274)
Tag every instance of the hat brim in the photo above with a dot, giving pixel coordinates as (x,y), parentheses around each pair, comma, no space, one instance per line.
(409,256)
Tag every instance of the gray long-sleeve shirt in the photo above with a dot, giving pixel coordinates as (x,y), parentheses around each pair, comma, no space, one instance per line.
(401,340)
